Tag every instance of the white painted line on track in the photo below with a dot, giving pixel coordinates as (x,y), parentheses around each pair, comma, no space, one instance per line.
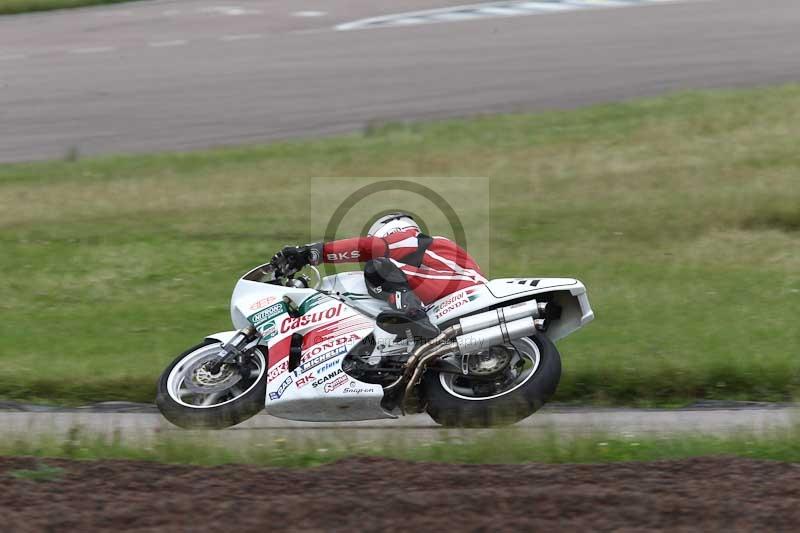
(232,11)
(171,12)
(309,14)
(546,6)
(507,8)
(241,37)
(164,44)
(93,50)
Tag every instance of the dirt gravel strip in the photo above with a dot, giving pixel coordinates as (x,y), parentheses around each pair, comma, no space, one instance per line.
(370,494)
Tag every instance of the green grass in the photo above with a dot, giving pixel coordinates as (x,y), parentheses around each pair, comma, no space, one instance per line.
(681,215)
(42,473)
(13,7)
(501,447)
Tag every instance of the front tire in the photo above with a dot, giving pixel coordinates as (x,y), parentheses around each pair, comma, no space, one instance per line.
(221,407)
(452,402)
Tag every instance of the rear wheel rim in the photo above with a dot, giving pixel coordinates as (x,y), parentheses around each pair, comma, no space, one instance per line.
(528,351)
(181,394)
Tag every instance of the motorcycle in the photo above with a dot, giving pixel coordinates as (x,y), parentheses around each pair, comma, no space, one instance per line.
(315,352)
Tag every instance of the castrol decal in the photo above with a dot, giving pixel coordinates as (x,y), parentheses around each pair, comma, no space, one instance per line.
(291,324)
(453,302)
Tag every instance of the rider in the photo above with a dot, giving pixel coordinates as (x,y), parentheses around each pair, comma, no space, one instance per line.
(404,267)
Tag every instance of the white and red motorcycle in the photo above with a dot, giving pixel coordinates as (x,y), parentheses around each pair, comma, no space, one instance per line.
(317,354)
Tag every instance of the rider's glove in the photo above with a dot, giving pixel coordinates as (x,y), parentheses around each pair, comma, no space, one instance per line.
(293,258)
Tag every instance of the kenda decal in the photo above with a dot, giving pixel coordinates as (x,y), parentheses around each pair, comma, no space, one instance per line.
(277,370)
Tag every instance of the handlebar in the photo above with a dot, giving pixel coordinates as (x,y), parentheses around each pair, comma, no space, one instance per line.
(281,270)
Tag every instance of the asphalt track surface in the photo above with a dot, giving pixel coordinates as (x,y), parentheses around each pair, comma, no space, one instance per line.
(563,422)
(189,74)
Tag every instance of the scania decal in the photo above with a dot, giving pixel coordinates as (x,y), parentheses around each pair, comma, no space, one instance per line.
(285,385)
(336,383)
(318,360)
(290,323)
(326,378)
(454,302)
(268,313)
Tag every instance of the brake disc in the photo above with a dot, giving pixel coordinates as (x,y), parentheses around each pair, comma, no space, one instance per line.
(201,380)
(491,361)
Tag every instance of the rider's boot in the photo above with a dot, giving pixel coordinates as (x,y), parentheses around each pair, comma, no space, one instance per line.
(407,313)
(386,281)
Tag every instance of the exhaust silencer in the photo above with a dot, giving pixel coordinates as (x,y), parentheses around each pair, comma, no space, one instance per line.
(501,315)
(500,334)
(472,334)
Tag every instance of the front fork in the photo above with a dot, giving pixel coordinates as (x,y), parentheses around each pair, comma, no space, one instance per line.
(236,348)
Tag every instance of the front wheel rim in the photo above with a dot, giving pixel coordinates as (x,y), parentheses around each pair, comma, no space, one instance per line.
(526,349)
(179,392)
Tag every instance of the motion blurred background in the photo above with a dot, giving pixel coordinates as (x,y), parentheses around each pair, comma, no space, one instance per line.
(153,151)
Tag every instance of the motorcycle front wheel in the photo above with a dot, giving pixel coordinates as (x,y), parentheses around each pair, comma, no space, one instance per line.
(527,383)
(191,396)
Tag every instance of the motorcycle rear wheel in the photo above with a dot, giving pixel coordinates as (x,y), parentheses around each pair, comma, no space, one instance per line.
(457,401)
(222,406)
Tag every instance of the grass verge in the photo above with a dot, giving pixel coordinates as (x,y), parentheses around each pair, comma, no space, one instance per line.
(511,448)
(680,213)
(14,7)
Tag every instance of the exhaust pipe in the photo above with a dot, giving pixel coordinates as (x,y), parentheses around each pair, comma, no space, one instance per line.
(502,333)
(472,324)
(497,326)
(470,343)
(502,314)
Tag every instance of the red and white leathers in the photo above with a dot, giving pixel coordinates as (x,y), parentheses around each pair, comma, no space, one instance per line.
(434,266)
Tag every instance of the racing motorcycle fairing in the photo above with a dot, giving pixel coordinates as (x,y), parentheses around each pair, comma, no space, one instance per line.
(222,336)
(569,294)
(352,287)
(308,333)
(320,330)
(317,354)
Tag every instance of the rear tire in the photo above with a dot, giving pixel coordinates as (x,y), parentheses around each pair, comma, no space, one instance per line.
(219,416)
(448,409)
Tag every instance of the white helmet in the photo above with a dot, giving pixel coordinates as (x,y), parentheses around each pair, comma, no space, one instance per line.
(392,223)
